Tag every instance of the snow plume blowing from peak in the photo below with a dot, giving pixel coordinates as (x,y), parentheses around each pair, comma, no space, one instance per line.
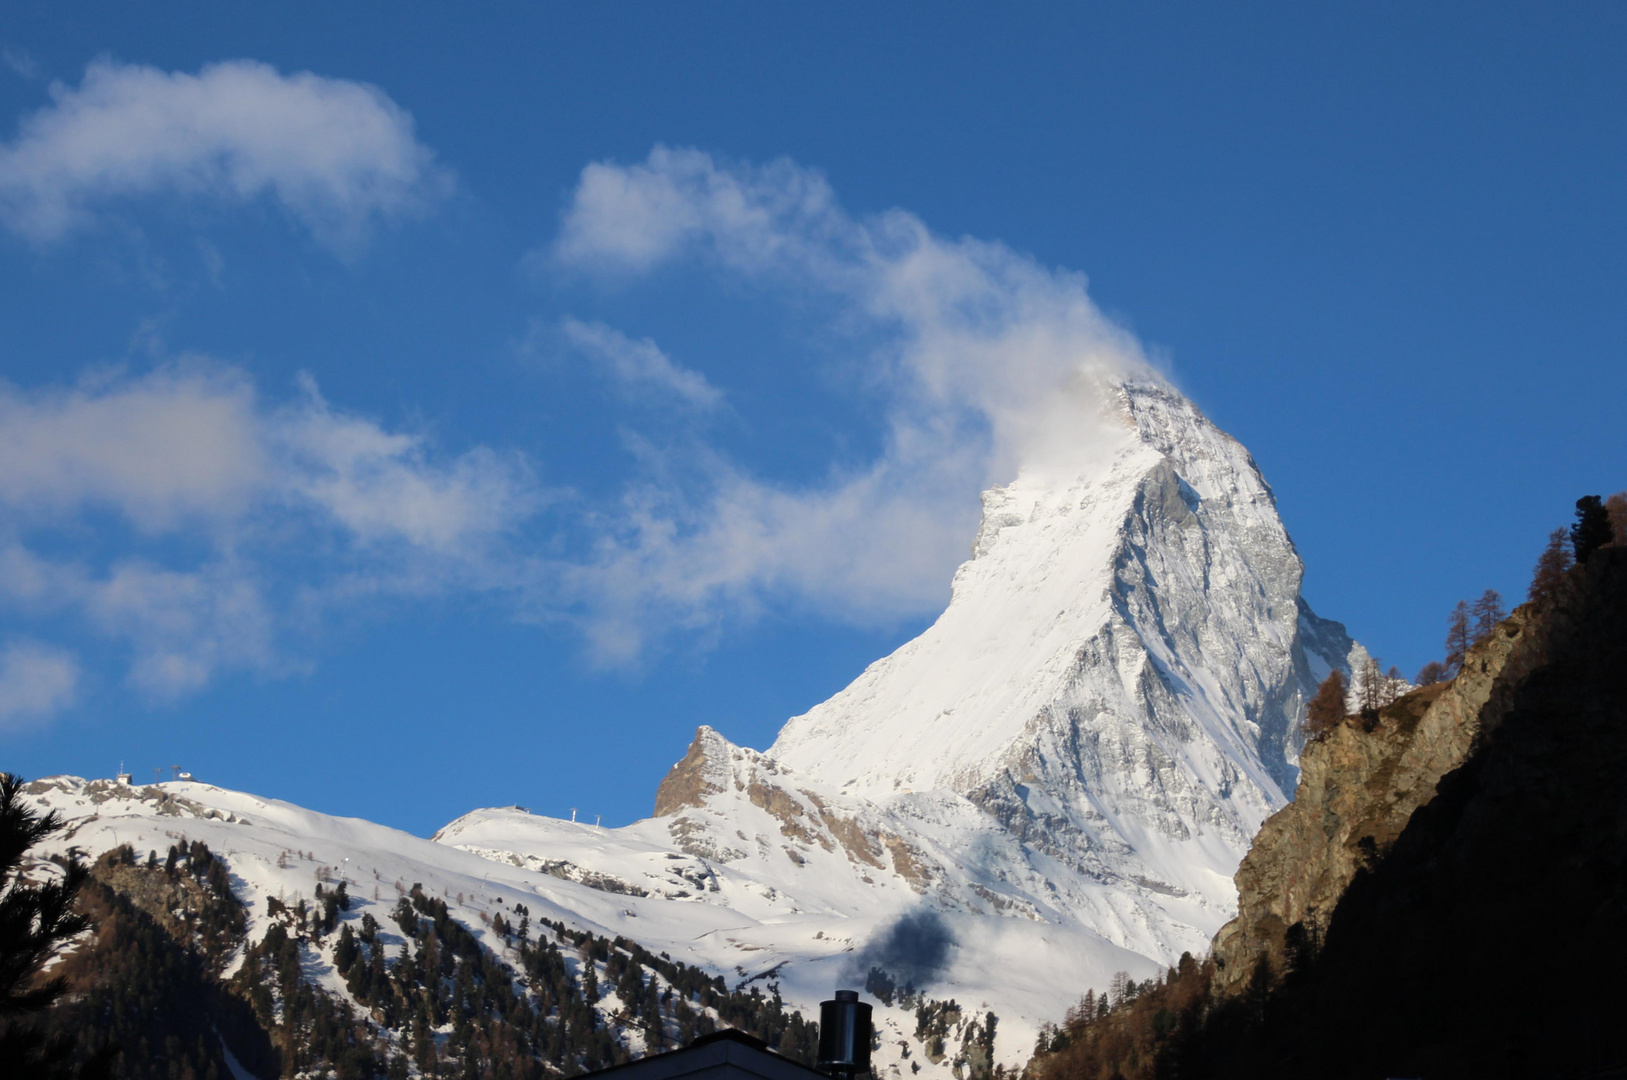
(991,364)
(911,952)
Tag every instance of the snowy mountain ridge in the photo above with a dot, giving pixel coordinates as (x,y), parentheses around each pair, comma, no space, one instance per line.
(1062,772)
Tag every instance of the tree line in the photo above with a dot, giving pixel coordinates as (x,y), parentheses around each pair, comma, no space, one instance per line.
(1599,523)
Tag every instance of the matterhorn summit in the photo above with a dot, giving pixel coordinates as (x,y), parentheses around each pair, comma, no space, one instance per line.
(1092,731)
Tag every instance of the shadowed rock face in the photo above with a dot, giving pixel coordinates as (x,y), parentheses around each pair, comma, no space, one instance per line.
(1357,791)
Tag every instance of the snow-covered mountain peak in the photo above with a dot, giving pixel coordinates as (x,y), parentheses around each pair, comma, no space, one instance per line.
(1064,770)
(1088,596)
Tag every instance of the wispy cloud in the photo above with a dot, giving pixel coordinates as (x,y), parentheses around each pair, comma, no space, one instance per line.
(639,368)
(21,64)
(337,155)
(988,362)
(36,681)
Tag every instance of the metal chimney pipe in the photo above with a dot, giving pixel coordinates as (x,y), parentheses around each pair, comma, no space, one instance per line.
(844,1035)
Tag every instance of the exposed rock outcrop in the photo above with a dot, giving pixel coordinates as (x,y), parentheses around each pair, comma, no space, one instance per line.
(1359,786)
(694,776)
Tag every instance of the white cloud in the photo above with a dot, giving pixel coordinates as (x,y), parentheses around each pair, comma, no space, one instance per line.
(639,367)
(336,155)
(173,445)
(989,362)
(244,515)
(254,516)
(382,486)
(192,442)
(183,626)
(36,681)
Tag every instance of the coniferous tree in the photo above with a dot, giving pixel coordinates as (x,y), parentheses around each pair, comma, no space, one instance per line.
(1592,528)
(1459,636)
(1327,708)
(34,921)
(1552,565)
(1373,692)
(1487,612)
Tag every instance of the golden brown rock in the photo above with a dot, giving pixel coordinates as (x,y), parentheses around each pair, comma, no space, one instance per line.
(1357,791)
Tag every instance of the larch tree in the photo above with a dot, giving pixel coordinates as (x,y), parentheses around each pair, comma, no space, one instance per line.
(1432,673)
(1327,708)
(1487,612)
(1616,507)
(1592,528)
(1459,636)
(1372,689)
(1552,567)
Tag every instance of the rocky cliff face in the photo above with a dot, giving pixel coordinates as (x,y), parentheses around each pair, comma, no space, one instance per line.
(1358,789)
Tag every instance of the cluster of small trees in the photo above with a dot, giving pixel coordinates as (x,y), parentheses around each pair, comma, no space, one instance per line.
(1467,626)
(1599,523)
(1130,1030)
(1369,690)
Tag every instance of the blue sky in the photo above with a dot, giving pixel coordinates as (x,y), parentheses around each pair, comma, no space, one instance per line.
(355,449)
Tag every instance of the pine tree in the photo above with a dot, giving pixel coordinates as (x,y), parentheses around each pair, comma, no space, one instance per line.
(1487,612)
(1592,528)
(1458,636)
(1327,708)
(1552,566)
(34,921)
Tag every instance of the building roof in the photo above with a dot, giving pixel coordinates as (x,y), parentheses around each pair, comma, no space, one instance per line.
(722,1055)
